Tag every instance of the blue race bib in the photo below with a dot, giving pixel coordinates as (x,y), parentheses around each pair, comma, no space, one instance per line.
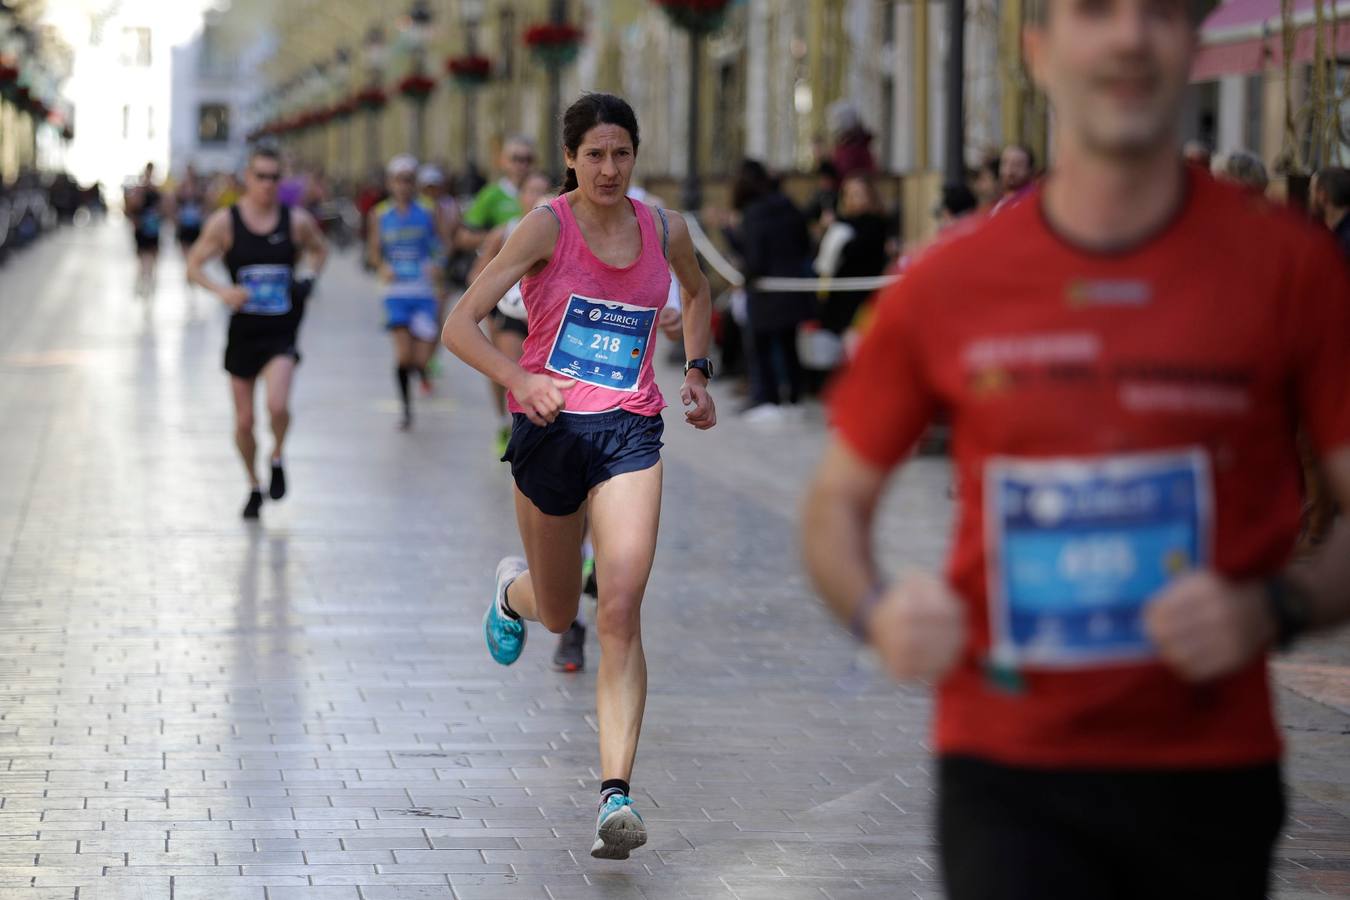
(269,290)
(602,342)
(190,215)
(150,224)
(406,267)
(1077,547)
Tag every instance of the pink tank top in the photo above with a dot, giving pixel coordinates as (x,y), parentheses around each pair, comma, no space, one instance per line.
(596,323)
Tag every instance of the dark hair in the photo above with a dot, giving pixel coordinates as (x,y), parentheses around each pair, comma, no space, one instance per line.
(957,199)
(590,110)
(1334,181)
(264,151)
(752,182)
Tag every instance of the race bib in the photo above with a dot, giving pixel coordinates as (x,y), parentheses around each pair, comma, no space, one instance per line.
(1077,547)
(190,215)
(602,342)
(269,290)
(150,224)
(407,267)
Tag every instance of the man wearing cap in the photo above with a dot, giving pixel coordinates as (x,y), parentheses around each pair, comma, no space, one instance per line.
(403,247)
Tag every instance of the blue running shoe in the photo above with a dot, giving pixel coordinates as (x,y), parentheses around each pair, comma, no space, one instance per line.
(618,829)
(505,635)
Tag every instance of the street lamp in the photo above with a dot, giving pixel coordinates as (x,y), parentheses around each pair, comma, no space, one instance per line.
(374,51)
(416,34)
(338,81)
(471,12)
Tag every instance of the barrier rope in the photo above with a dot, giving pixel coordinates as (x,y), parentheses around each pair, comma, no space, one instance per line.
(723,267)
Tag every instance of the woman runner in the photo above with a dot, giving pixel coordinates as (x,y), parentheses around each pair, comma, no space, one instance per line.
(586,434)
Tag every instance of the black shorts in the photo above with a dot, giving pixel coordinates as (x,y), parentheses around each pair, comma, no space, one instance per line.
(147,243)
(1011,833)
(556,467)
(187,235)
(246,358)
(511,324)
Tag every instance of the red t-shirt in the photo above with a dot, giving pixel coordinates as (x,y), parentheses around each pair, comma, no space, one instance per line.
(1218,334)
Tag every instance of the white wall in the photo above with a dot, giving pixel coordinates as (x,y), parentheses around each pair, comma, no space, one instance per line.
(100,86)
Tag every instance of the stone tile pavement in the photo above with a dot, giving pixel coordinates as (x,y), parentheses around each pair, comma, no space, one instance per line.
(302,710)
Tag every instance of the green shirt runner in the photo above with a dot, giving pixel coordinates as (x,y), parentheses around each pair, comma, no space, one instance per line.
(495,205)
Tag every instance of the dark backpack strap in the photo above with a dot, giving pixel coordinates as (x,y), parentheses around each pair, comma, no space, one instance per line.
(665,232)
(553,212)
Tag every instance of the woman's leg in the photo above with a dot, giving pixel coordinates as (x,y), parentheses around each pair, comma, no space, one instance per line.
(625,514)
(550,590)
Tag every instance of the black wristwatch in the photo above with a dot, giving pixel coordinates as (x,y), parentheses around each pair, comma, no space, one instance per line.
(1289,606)
(704,365)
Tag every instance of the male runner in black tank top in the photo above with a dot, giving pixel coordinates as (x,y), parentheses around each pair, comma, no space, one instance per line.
(266,247)
(145,208)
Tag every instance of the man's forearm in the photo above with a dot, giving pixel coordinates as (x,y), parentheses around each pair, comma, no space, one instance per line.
(837,538)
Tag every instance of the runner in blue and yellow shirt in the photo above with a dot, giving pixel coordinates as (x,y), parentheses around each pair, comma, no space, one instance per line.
(403,247)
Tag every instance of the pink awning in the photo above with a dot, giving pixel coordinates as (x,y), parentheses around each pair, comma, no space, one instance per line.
(1243,37)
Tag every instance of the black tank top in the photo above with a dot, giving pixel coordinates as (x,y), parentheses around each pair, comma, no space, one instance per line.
(248,249)
(263,264)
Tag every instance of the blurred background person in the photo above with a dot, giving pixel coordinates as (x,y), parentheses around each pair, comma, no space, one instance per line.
(852,141)
(772,241)
(189,209)
(1331,203)
(1198,154)
(861,253)
(987,187)
(146,207)
(1016,171)
(1244,168)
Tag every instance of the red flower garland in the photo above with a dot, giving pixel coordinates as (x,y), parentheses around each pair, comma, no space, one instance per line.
(416,86)
(371,98)
(469,71)
(551,34)
(554,44)
(699,16)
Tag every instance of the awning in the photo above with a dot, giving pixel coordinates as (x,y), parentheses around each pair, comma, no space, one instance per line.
(1244,37)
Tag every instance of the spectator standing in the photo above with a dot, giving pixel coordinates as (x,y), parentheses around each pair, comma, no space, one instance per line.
(772,241)
(1331,203)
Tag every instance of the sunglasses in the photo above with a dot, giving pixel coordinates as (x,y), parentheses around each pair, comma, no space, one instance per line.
(266,176)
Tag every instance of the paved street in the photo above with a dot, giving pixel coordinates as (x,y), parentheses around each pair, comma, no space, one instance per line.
(192,708)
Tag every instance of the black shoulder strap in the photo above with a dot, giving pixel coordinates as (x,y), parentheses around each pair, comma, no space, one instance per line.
(552,212)
(665,232)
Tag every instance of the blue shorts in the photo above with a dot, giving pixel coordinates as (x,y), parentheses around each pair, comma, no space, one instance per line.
(556,467)
(414,314)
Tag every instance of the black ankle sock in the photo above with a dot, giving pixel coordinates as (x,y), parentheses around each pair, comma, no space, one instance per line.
(611,786)
(402,372)
(506,601)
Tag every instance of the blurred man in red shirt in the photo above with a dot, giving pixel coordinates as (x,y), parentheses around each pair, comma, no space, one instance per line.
(1123,357)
